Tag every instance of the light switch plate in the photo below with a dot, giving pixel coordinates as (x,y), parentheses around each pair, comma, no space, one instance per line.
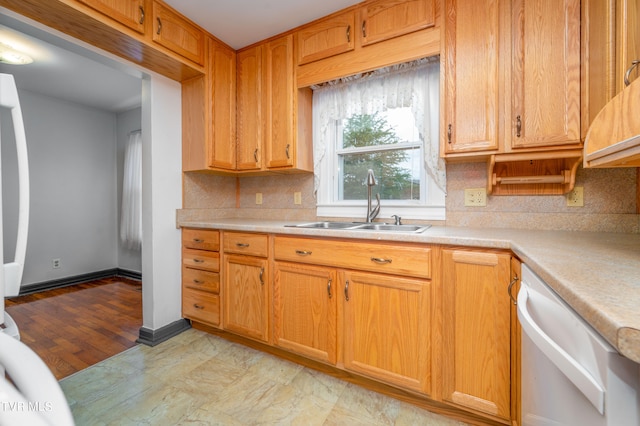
(297,198)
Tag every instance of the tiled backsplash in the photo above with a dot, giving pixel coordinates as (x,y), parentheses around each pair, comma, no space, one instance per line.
(609,201)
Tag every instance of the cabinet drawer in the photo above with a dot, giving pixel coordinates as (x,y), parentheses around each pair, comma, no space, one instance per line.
(201,259)
(201,239)
(242,243)
(201,280)
(201,306)
(391,258)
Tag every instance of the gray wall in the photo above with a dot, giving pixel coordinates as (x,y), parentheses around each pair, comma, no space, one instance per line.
(74,188)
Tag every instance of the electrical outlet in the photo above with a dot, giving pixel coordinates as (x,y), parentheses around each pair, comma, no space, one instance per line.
(55,263)
(575,198)
(297,198)
(475,197)
(258,197)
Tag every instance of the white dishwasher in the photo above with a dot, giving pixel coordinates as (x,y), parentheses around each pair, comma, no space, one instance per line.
(570,374)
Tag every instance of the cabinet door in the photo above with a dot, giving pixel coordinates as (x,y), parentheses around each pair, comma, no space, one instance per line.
(249,109)
(546,73)
(473,40)
(326,38)
(176,33)
(280,118)
(476,325)
(387,332)
(130,13)
(304,302)
(222,89)
(385,19)
(245,296)
(627,40)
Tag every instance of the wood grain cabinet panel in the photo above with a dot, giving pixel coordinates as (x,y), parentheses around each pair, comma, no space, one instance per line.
(385,19)
(327,37)
(177,34)
(246,296)
(246,243)
(131,13)
(387,329)
(249,113)
(200,306)
(304,309)
(201,239)
(221,72)
(477,331)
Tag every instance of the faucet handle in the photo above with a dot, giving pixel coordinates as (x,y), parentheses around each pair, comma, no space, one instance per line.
(398,219)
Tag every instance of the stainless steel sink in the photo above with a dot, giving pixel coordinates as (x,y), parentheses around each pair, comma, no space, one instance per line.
(359,226)
(393,228)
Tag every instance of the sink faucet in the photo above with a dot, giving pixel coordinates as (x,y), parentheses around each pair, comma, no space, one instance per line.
(371,213)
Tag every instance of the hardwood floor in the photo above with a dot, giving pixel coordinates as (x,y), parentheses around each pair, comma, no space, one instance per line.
(78,326)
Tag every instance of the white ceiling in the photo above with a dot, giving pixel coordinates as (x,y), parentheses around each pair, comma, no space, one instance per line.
(65,70)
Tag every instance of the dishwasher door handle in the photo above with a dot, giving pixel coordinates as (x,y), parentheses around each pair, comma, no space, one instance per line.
(571,368)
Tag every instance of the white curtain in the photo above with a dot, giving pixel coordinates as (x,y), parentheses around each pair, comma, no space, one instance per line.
(131,214)
(413,84)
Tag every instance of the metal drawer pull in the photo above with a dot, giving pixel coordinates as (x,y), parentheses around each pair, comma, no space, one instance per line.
(159,26)
(329,288)
(198,240)
(380,260)
(515,280)
(195,305)
(198,261)
(518,126)
(287,151)
(449,133)
(348,33)
(141,21)
(364,29)
(242,245)
(628,73)
(261,276)
(303,252)
(255,155)
(346,291)
(198,282)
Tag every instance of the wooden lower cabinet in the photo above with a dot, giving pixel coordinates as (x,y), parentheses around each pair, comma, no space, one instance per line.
(246,291)
(387,326)
(304,310)
(477,331)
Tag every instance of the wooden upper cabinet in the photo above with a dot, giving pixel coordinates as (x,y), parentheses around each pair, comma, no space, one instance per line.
(222,88)
(384,19)
(249,97)
(476,371)
(627,41)
(178,34)
(546,73)
(131,13)
(474,45)
(325,38)
(280,118)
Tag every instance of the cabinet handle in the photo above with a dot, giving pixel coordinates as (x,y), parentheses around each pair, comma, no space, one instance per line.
(380,260)
(198,240)
(348,33)
(628,73)
(364,29)
(329,288)
(255,155)
(159,26)
(195,305)
(303,252)
(198,282)
(262,276)
(515,280)
(449,133)
(242,245)
(287,151)
(198,261)
(346,291)
(518,126)
(141,21)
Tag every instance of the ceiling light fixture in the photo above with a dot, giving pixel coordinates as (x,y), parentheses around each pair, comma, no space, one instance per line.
(9,55)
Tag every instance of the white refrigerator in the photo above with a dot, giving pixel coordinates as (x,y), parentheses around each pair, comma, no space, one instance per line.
(33,396)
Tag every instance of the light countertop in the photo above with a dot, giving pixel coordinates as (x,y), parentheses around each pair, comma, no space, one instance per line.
(597,274)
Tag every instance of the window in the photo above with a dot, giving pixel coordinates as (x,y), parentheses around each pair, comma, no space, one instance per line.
(386,121)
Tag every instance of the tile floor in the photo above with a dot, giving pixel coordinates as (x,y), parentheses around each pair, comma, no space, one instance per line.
(198,378)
